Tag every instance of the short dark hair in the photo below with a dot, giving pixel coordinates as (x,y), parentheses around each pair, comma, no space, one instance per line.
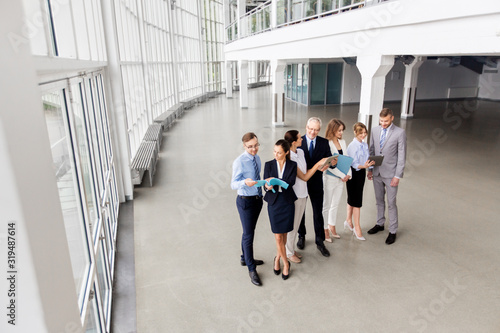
(248,136)
(291,136)
(386,112)
(285,145)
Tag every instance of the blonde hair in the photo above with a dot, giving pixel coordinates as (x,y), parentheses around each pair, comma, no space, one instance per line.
(358,128)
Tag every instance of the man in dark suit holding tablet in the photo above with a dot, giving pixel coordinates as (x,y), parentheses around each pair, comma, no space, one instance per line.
(315,148)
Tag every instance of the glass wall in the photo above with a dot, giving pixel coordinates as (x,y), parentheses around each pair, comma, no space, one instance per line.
(183,57)
(297,82)
(167,52)
(323,86)
(214,43)
(82,153)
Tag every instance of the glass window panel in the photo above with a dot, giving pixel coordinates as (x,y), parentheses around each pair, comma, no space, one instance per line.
(35,21)
(334,83)
(294,82)
(305,84)
(103,278)
(318,81)
(94,131)
(93,320)
(82,41)
(62,21)
(67,184)
(299,82)
(82,142)
(87,13)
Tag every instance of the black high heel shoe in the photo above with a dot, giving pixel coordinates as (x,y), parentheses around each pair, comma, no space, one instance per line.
(276,272)
(283,276)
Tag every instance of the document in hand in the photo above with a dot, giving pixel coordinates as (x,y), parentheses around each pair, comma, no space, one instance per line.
(344,163)
(272,182)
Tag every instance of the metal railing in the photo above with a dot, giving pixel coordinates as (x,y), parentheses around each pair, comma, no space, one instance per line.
(289,12)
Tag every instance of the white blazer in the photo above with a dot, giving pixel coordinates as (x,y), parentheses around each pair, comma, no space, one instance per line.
(334,150)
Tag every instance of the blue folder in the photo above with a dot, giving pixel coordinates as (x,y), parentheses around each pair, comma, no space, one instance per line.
(272,182)
(343,164)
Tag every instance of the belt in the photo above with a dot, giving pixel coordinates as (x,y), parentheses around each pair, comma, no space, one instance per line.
(251,197)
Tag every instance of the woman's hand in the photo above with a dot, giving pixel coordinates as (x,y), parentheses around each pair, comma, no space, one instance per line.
(346,178)
(269,187)
(367,165)
(318,165)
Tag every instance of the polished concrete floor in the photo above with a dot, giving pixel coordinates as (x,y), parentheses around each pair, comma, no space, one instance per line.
(441,275)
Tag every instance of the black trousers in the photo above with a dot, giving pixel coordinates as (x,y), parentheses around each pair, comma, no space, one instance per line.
(249,209)
(317,206)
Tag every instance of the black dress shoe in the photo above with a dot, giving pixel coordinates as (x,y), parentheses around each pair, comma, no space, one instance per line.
(256,261)
(376,229)
(301,243)
(254,277)
(390,239)
(276,271)
(324,251)
(283,276)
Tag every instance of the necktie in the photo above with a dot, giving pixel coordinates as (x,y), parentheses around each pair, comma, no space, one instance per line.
(382,137)
(257,174)
(311,149)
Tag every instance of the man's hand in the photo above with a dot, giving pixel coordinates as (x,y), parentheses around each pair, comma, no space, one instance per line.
(346,178)
(250,182)
(370,175)
(394,182)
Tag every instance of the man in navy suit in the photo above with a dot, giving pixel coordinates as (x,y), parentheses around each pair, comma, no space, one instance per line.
(315,148)
(390,141)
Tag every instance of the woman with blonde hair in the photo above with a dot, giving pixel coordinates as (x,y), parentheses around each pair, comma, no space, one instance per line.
(358,150)
(333,178)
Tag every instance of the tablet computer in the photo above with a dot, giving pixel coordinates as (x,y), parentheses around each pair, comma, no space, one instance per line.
(377,158)
(328,160)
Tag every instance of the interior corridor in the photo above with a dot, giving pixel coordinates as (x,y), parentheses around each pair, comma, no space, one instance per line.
(441,275)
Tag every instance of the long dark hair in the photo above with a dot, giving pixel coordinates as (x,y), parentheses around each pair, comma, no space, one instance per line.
(285,145)
(291,136)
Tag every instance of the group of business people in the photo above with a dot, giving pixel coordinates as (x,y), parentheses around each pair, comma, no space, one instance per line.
(301,163)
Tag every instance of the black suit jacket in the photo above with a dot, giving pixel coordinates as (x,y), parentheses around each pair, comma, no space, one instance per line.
(289,176)
(321,150)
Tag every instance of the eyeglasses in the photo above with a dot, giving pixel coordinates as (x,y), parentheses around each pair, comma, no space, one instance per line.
(253,147)
(312,129)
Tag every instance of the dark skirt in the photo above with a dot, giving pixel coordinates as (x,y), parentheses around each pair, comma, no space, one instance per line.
(355,188)
(281,215)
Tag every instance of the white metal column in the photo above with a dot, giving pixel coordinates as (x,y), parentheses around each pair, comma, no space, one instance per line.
(410,88)
(278,71)
(373,69)
(117,102)
(243,71)
(229,79)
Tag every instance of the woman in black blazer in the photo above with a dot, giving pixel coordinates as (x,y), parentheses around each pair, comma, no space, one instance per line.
(280,204)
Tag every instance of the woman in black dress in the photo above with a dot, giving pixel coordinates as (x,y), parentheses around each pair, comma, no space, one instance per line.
(280,203)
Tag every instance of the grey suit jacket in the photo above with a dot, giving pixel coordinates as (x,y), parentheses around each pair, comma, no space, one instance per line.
(394,151)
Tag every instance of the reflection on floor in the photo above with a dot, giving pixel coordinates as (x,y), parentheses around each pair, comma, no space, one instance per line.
(441,275)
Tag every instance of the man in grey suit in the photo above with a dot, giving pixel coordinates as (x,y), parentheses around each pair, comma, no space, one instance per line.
(390,141)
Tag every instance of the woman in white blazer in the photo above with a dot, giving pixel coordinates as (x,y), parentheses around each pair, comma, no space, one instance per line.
(333,178)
